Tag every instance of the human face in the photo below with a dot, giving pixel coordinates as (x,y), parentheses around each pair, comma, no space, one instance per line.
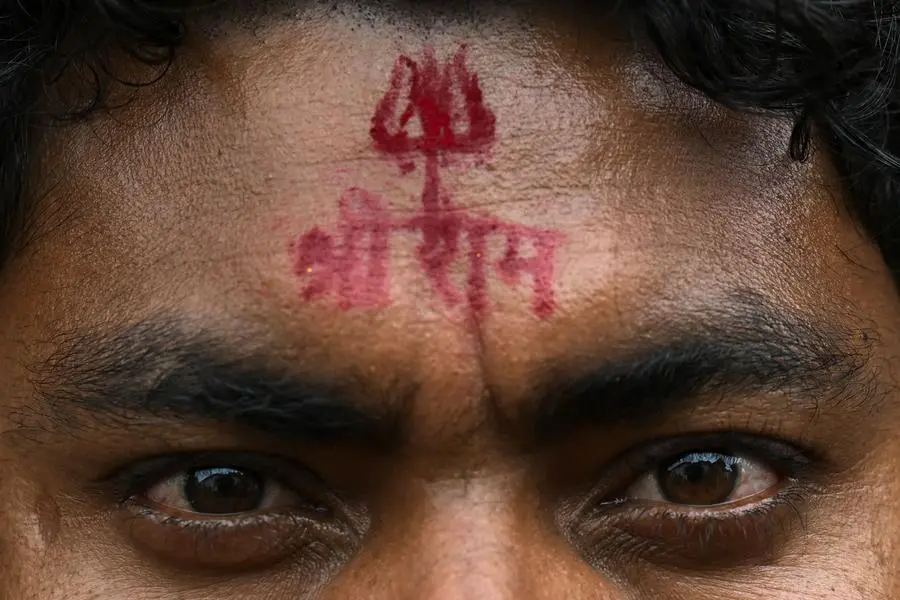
(564,330)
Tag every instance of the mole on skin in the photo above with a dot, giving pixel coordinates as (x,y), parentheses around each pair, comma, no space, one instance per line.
(351,266)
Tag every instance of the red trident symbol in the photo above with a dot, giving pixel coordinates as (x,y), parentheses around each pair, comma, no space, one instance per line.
(443,98)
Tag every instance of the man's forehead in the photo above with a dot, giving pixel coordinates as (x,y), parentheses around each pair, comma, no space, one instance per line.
(236,218)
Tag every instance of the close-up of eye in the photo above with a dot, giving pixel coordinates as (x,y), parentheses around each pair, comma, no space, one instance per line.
(698,501)
(705,479)
(219,491)
(237,511)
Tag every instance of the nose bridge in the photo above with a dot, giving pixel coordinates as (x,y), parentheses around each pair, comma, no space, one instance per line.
(474,538)
(467,542)
(480,537)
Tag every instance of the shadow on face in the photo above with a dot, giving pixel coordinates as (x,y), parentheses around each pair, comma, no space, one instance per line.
(420,302)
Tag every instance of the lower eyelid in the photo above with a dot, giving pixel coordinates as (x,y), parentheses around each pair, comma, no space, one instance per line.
(171,509)
(691,537)
(244,541)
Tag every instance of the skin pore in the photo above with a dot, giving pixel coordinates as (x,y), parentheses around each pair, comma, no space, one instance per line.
(703,406)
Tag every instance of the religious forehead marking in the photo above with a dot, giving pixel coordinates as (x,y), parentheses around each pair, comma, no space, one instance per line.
(349,264)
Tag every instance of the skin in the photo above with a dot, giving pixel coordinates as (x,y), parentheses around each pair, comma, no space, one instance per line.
(180,208)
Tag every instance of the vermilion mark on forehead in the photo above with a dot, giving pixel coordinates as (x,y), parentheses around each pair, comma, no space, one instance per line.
(352,264)
(448,103)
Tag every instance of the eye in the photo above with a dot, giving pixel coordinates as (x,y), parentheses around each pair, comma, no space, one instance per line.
(233,510)
(221,490)
(698,501)
(704,479)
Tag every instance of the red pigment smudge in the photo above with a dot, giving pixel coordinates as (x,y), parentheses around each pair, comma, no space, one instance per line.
(431,93)
(441,226)
(353,270)
(540,266)
(448,104)
(314,257)
(476,285)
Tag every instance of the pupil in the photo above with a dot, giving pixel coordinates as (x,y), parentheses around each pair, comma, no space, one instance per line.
(699,478)
(223,490)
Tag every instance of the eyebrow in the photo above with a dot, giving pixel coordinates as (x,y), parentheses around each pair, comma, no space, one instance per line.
(157,369)
(746,347)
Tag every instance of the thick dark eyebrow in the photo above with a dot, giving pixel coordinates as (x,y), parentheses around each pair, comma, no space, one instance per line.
(156,369)
(746,348)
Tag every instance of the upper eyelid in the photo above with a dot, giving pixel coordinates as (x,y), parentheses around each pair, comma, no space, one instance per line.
(140,475)
(615,474)
(727,442)
(629,466)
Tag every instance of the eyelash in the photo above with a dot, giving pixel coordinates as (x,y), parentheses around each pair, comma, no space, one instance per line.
(788,458)
(701,534)
(701,537)
(312,534)
(140,475)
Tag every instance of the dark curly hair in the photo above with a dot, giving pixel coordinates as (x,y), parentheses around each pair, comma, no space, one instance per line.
(831,65)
